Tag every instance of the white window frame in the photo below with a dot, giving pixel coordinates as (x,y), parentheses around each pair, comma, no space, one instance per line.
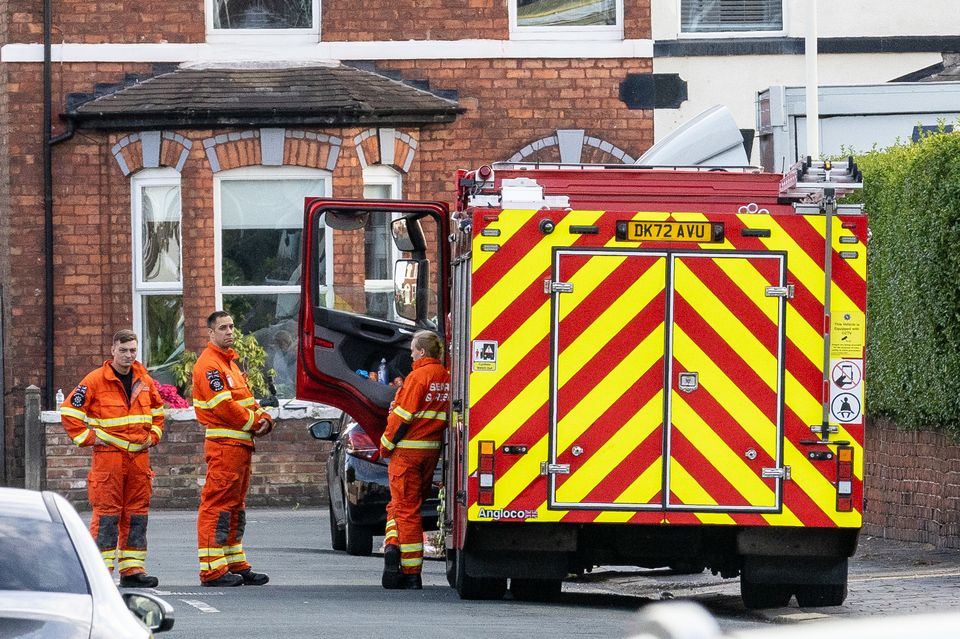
(141,289)
(603,32)
(381,175)
(263,36)
(267,174)
(702,35)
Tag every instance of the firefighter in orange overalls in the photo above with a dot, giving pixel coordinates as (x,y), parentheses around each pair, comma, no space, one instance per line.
(412,440)
(232,417)
(118,411)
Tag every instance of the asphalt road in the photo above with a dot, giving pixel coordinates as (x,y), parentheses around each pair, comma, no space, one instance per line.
(317,592)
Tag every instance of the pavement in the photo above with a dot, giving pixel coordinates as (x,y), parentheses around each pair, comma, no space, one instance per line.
(886,577)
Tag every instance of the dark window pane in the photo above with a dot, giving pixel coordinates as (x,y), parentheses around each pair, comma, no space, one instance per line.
(261,257)
(262,14)
(38,555)
(273,321)
(376,244)
(162,339)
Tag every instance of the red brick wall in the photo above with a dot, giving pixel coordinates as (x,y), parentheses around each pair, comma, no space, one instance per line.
(912,487)
(344,20)
(288,467)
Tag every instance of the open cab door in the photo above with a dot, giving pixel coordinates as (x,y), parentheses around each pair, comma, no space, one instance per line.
(374,273)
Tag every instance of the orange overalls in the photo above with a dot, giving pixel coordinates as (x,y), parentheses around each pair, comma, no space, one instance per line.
(227,409)
(412,441)
(98,413)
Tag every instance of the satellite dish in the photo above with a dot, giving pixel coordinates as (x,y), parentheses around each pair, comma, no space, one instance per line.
(710,139)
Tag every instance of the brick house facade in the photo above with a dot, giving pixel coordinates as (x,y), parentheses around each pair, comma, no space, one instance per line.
(513,96)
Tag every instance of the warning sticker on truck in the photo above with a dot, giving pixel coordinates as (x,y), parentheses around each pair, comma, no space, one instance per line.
(484,356)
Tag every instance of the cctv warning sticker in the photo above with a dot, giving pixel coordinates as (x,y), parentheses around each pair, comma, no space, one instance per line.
(484,356)
(847,334)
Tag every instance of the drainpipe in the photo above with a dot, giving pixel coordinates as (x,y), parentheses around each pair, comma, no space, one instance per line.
(48,143)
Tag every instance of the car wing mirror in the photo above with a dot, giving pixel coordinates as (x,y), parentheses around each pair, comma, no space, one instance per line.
(322,429)
(155,613)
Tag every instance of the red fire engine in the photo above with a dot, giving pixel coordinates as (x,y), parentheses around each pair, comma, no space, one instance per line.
(650,366)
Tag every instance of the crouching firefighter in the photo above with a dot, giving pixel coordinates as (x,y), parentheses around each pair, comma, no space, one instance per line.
(117,410)
(412,441)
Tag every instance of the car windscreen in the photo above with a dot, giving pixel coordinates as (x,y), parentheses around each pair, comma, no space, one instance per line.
(38,556)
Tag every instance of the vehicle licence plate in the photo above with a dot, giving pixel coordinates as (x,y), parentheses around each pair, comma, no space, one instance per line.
(642,231)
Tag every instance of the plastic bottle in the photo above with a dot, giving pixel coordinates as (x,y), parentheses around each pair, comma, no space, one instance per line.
(59,399)
(382,371)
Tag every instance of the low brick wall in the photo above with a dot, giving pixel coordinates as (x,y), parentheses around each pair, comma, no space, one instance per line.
(912,485)
(288,465)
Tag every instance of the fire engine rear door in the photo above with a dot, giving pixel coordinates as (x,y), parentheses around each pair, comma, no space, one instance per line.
(608,379)
(725,401)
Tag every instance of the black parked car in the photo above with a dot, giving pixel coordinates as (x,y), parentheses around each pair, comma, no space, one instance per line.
(359,488)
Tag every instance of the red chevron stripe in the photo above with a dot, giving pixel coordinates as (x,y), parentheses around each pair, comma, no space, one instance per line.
(811,242)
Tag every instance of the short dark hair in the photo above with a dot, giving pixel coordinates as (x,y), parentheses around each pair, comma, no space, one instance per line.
(214,316)
(125,335)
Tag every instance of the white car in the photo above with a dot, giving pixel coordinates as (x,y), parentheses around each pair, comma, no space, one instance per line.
(53,582)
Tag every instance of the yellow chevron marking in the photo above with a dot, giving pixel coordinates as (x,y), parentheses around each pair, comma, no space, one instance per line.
(744,479)
(643,490)
(802,265)
(613,385)
(523,274)
(509,223)
(859,265)
(729,326)
(686,488)
(516,479)
(715,382)
(644,423)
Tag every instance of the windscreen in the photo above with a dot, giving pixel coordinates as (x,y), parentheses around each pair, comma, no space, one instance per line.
(38,556)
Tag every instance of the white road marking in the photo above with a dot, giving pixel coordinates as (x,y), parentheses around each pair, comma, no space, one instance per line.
(199,605)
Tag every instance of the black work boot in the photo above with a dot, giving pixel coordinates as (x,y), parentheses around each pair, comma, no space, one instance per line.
(411,581)
(226,580)
(251,578)
(139,580)
(391,567)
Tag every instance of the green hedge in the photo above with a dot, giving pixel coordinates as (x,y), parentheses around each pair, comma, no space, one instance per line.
(912,195)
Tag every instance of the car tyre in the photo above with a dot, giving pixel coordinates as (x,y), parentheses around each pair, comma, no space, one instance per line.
(536,589)
(359,539)
(757,596)
(477,587)
(338,536)
(820,595)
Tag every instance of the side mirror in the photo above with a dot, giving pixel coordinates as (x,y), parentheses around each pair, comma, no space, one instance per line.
(155,613)
(410,288)
(408,235)
(322,429)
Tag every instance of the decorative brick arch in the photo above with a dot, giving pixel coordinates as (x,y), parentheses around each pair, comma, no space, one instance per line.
(571,146)
(389,147)
(151,150)
(272,147)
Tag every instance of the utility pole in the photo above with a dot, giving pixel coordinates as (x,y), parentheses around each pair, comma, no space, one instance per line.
(812,91)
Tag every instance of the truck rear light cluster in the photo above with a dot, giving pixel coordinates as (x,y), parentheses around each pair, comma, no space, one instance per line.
(485,473)
(844,479)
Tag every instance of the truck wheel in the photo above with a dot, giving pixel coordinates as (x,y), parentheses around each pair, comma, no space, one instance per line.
(477,587)
(536,589)
(338,538)
(757,596)
(359,538)
(819,595)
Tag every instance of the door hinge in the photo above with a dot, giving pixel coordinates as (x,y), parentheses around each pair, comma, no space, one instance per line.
(546,468)
(777,473)
(780,291)
(549,287)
